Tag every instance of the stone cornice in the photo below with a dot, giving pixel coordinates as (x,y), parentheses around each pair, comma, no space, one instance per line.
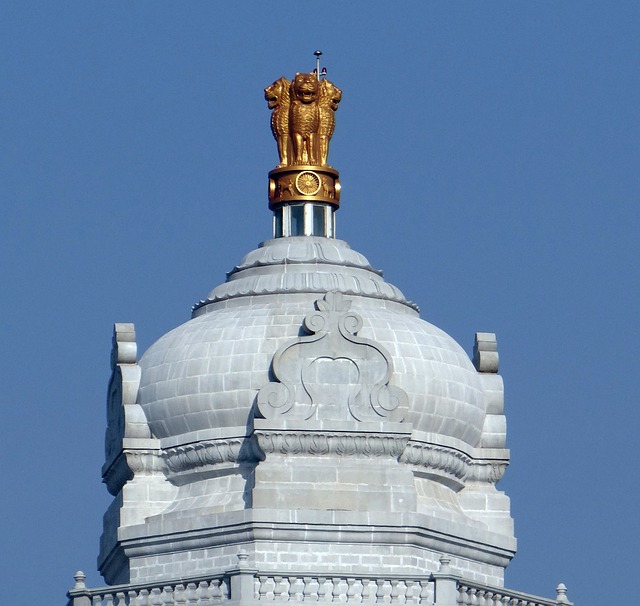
(259,525)
(448,461)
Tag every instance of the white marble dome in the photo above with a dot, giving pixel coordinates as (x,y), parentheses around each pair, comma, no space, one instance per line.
(206,373)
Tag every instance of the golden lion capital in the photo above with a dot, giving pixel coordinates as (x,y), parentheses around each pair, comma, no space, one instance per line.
(302,118)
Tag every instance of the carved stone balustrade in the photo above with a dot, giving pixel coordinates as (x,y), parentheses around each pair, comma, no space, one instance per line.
(323,588)
(472,594)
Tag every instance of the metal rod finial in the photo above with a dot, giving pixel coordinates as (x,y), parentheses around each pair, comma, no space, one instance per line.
(318,54)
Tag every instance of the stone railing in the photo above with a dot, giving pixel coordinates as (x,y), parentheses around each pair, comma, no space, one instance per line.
(451,590)
(259,588)
(245,586)
(197,592)
(475,594)
(370,590)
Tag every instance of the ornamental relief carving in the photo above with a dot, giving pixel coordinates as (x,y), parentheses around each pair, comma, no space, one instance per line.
(445,462)
(351,444)
(211,452)
(332,374)
(487,471)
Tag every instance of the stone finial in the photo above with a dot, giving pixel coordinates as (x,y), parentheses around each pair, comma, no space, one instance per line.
(446,583)
(242,579)
(80,578)
(445,564)
(485,352)
(561,594)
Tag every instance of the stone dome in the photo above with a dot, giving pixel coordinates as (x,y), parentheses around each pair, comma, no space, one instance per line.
(205,375)
(307,417)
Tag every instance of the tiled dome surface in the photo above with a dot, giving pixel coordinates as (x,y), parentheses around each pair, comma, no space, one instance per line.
(206,373)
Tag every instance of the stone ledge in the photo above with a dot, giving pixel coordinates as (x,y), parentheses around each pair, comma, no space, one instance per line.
(211,531)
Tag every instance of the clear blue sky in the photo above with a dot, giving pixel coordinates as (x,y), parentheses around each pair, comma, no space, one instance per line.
(490,166)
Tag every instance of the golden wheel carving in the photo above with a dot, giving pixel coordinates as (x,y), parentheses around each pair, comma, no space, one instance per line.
(308,183)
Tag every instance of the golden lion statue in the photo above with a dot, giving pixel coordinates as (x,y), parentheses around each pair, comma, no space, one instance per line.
(302,118)
(277,96)
(330,96)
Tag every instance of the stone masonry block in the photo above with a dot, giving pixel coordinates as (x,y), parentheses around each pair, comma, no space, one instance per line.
(494,433)
(493,388)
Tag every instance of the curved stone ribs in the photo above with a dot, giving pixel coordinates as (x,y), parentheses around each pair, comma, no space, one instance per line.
(332,374)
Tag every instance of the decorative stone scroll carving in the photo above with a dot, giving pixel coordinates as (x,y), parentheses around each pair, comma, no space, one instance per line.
(332,374)
(123,418)
(485,352)
(447,464)
(454,465)
(129,446)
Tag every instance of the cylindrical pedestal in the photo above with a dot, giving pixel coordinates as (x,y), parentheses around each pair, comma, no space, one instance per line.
(304,183)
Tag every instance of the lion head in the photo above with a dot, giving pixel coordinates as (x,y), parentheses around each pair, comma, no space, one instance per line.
(305,88)
(277,93)
(330,94)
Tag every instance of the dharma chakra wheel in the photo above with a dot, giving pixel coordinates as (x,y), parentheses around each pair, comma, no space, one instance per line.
(304,183)
(308,183)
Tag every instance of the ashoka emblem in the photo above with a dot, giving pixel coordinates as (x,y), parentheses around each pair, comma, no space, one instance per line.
(308,183)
